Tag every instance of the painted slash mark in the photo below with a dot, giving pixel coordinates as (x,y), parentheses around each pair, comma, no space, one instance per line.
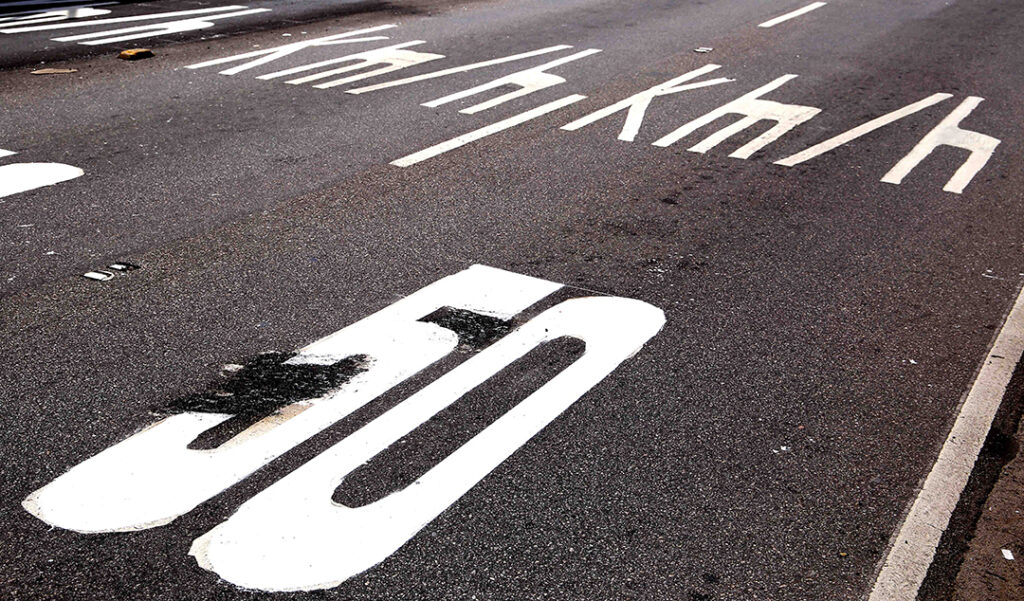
(261,388)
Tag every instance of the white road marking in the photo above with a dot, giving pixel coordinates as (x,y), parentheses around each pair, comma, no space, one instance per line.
(948,133)
(292,536)
(529,81)
(861,130)
(393,58)
(795,13)
(272,54)
(34,17)
(155,29)
(148,17)
(153,477)
(6,153)
(454,70)
(37,3)
(754,109)
(22,177)
(365,58)
(483,132)
(913,548)
(637,104)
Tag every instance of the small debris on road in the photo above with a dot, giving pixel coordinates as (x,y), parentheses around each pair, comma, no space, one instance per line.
(98,275)
(703,49)
(135,54)
(53,71)
(102,275)
(1007,555)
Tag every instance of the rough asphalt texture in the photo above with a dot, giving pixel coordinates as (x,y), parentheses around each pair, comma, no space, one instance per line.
(985,572)
(813,307)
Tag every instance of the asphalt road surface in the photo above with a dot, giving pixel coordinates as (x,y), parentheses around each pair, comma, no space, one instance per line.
(633,300)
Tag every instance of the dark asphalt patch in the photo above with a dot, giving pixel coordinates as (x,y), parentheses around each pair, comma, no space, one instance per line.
(259,389)
(475,330)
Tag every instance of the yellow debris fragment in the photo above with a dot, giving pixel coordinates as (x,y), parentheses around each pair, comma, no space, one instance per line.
(135,54)
(53,71)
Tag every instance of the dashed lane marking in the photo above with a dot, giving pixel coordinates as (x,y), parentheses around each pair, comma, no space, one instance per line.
(792,15)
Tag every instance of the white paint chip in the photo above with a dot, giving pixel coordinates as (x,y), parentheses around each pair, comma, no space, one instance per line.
(1007,555)
(99,276)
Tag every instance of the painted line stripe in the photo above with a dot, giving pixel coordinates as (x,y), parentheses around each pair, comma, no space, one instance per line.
(149,17)
(36,3)
(861,130)
(913,549)
(460,69)
(154,29)
(6,153)
(355,57)
(792,15)
(483,132)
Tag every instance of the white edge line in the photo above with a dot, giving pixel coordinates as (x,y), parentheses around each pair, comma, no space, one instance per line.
(792,15)
(913,548)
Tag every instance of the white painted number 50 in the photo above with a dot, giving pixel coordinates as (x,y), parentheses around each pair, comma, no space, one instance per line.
(293,536)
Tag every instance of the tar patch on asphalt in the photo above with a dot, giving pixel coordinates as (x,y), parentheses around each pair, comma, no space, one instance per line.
(259,389)
(475,330)
(265,385)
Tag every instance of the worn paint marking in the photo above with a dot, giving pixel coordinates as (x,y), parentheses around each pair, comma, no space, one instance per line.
(293,536)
